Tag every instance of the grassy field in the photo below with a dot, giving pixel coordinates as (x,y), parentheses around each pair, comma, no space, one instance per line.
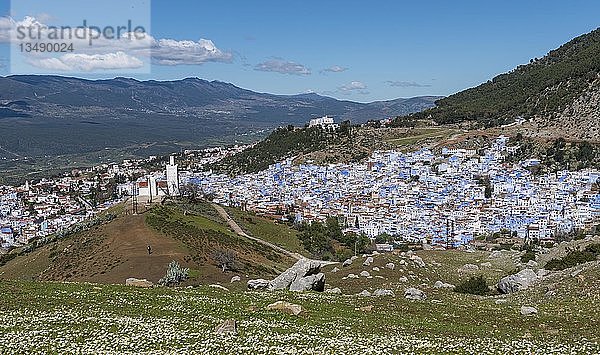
(420,135)
(265,229)
(59,318)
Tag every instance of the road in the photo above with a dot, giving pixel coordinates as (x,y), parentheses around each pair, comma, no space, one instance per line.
(239,231)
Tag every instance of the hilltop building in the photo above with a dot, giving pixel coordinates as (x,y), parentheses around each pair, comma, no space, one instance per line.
(324,121)
(172,177)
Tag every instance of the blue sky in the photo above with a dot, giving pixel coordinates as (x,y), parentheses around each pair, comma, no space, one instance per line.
(374,50)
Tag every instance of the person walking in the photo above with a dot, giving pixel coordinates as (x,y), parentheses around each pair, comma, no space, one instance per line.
(149,250)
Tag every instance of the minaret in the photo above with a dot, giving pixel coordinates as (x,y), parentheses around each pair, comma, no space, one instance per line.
(172,177)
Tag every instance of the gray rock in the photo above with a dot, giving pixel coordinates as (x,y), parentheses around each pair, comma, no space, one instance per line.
(365,274)
(309,283)
(441,284)
(352,276)
(415,294)
(403,279)
(335,290)
(235,279)
(390,266)
(532,264)
(383,292)
(132,281)
(354,257)
(364,293)
(517,282)
(335,269)
(468,268)
(417,260)
(486,265)
(302,268)
(227,327)
(286,307)
(550,294)
(258,284)
(368,261)
(347,263)
(527,311)
(542,273)
(500,301)
(375,268)
(495,254)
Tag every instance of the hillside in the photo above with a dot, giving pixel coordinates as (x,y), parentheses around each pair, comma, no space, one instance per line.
(165,319)
(559,91)
(52,115)
(114,251)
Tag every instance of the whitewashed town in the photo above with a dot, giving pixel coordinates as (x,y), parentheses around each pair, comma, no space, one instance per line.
(417,197)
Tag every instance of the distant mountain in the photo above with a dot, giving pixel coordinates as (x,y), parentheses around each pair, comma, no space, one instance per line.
(560,91)
(50,115)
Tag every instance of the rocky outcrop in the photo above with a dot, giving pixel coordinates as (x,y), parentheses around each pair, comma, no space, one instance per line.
(227,327)
(286,307)
(303,274)
(132,281)
(414,294)
(516,282)
(258,284)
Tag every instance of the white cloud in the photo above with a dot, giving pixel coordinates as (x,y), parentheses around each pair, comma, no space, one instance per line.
(172,52)
(86,62)
(281,66)
(126,51)
(334,69)
(406,84)
(352,86)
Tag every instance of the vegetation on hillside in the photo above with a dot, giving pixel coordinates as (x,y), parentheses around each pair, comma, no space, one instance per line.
(326,240)
(283,143)
(542,88)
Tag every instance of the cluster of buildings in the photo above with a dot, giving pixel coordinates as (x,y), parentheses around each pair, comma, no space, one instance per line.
(450,198)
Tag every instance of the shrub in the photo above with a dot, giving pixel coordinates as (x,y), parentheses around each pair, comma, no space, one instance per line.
(593,248)
(175,274)
(475,285)
(529,255)
(573,258)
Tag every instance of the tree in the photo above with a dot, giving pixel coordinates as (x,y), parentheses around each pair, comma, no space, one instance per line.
(225,259)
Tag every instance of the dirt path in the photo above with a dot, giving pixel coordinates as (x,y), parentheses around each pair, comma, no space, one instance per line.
(239,231)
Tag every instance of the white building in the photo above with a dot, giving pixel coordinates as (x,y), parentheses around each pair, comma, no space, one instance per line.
(324,121)
(172,177)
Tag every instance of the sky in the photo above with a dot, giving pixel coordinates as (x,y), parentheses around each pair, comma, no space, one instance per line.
(352,50)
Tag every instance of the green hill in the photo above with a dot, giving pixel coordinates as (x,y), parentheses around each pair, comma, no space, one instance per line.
(545,87)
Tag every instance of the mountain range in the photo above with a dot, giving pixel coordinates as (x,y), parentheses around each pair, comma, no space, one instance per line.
(53,115)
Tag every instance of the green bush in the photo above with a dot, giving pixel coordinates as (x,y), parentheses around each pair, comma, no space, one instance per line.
(593,248)
(529,255)
(573,258)
(475,285)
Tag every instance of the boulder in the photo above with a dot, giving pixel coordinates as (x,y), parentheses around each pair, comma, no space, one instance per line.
(347,262)
(132,281)
(302,268)
(441,284)
(258,284)
(219,287)
(364,293)
(352,276)
(375,268)
(354,257)
(236,279)
(532,264)
(495,254)
(335,269)
(417,260)
(517,282)
(286,307)
(403,279)
(365,274)
(383,292)
(309,283)
(390,266)
(486,265)
(335,290)
(468,268)
(527,311)
(368,261)
(414,294)
(227,327)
